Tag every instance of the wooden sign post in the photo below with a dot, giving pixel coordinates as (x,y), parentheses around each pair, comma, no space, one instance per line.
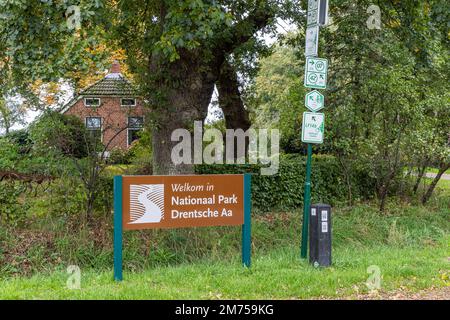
(146,202)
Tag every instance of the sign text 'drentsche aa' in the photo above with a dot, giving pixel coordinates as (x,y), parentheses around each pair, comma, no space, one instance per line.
(182,201)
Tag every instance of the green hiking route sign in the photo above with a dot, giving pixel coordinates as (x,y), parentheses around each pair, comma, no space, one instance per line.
(313,127)
(314,101)
(316,73)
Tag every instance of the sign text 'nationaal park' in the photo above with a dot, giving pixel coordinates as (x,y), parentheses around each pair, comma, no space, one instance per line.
(145,202)
(182,201)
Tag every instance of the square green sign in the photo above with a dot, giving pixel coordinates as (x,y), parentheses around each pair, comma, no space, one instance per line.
(313,127)
(316,71)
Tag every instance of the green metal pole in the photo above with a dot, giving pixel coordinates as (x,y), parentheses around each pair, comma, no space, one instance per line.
(247,226)
(118,228)
(306,203)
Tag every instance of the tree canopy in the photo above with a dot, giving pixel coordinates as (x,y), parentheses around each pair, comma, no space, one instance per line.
(180,50)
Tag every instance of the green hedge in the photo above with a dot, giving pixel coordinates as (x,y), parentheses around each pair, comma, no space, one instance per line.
(284,191)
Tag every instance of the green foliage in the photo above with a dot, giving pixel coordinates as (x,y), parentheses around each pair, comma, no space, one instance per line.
(12,209)
(38,43)
(141,153)
(63,198)
(11,113)
(387,100)
(189,23)
(119,156)
(44,148)
(59,134)
(404,236)
(9,154)
(284,190)
(21,138)
(277,96)
(103,202)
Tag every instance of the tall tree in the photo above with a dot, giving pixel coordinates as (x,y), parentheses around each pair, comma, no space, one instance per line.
(11,113)
(387,89)
(176,48)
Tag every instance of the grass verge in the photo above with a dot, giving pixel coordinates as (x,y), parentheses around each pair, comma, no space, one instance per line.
(408,243)
(279,275)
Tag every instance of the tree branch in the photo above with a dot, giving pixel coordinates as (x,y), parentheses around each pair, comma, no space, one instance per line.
(245,29)
(236,116)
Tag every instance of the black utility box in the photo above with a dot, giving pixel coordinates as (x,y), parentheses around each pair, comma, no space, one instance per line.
(320,235)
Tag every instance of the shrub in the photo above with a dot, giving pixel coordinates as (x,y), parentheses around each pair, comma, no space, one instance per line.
(20,138)
(104,195)
(11,209)
(120,156)
(9,154)
(63,197)
(142,153)
(284,190)
(57,133)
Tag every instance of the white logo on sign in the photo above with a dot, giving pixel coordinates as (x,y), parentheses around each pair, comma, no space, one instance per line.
(146,203)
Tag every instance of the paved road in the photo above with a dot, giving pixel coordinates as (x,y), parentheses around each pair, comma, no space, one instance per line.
(445,176)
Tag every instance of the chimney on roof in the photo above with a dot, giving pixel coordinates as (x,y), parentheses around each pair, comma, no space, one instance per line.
(115,68)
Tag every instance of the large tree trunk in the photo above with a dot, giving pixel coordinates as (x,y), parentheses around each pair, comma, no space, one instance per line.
(236,116)
(184,87)
(443,167)
(186,96)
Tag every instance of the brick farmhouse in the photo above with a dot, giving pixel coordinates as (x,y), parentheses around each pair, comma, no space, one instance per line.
(111,109)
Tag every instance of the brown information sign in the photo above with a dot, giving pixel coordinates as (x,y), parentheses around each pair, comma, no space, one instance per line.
(182,201)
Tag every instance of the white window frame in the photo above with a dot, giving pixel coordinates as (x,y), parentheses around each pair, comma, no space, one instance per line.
(101,126)
(128,129)
(131,105)
(92,106)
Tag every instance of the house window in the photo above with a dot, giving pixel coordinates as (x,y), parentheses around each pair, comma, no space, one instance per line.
(135,125)
(128,102)
(94,127)
(92,102)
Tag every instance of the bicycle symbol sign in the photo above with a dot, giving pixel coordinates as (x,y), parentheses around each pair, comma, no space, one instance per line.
(316,73)
(313,78)
(320,66)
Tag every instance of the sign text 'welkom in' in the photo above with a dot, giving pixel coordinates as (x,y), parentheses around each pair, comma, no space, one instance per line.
(182,201)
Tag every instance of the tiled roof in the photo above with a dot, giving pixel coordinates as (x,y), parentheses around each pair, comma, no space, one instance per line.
(114,84)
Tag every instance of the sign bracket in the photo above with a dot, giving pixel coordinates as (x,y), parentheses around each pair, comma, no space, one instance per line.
(247,227)
(118,232)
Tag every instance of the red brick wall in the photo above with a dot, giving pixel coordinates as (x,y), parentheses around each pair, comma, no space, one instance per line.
(114,118)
